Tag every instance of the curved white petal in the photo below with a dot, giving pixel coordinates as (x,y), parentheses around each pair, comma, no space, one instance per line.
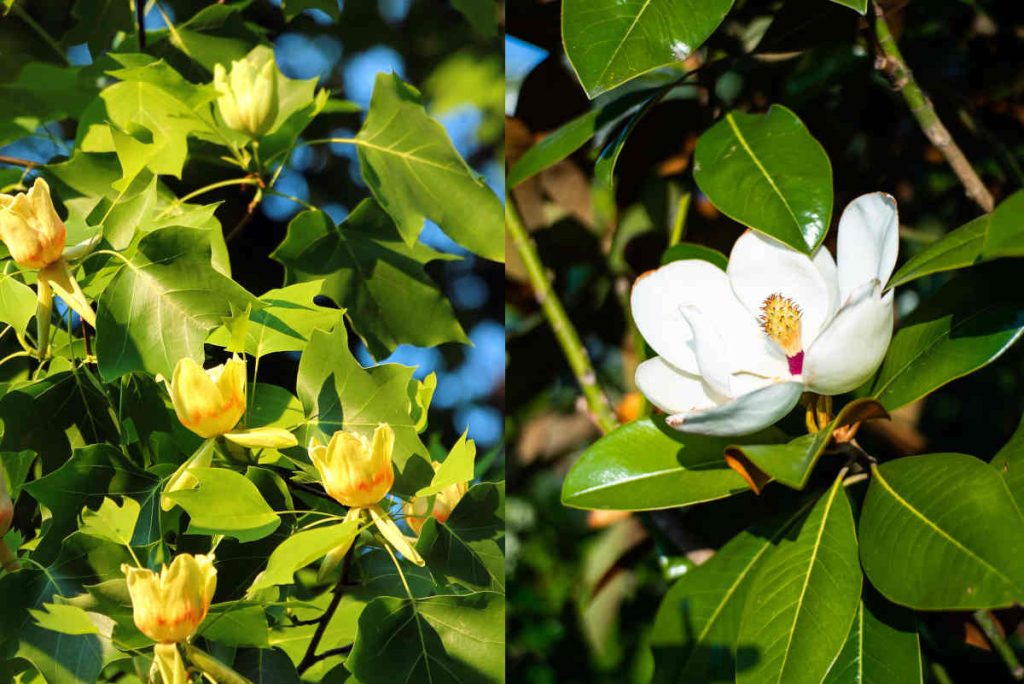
(826,266)
(743,415)
(712,353)
(868,242)
(853,345)
(670,389)
(760,266)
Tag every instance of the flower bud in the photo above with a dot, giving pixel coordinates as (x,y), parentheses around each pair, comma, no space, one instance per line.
(248,94)
(209,402)
(356,472)
(6,505)
(168,607)
(418,509)
(30,227)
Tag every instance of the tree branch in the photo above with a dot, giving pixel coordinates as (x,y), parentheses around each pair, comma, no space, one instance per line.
(559,321)
(895,67)
(18,161)
(998,641)
(140,19)
(311,658)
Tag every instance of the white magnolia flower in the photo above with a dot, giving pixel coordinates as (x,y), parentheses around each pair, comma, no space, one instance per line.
(737,348)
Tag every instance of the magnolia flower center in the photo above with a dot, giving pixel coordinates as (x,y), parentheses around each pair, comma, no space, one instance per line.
(780,320)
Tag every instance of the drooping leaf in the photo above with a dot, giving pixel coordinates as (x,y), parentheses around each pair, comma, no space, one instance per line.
(694,634)
(966,325)
(609,42)
(940,532)
(17,303)
(225,502)
(644,465)
(161,305)
(439,639)
(370,271)
(468,547)
(803,598)
(882,648)
(769,173)
(301,549)
(414,172)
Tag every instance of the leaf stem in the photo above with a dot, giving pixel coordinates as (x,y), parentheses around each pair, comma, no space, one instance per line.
(998,641)
(245,180)
(892,63)
(565,332)
(18,161)
(310,657)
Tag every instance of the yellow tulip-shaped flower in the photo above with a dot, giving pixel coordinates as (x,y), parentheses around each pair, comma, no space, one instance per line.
(356,471)
(209,402)
(168,607)
(248,94)
(30,227)
(418,509)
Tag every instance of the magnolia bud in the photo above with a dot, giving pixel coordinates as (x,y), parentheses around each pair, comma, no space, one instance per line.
(356,472)
(418,509)
(169,607)
(209,402)
(30,227)
(248,94)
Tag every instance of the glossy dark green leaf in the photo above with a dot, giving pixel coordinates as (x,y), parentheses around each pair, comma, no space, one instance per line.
(608,157)
(482,14)
(691,250)
(609,42)
(792,463)
(858,5)
(694,634)
(1009,462)
(367,269)
(968,324)
(439,639)
(942,532)
(769,173)
(882,648)
(991,236)
(160,307)
(468,547)
(803,599)
(415,172)
(644,465)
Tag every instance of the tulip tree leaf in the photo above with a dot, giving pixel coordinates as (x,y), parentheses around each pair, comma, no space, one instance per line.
(161,305)
(236,624)
(433,639)
(414,171)
(338,393)
(455,469)
(468,547)
(369,270)
(225,502)
(966,325)
(697,622)
(768,172)
(112,522)
(803,598)
(792,463)
(609,42)
(287,319)
(644,465)
(301,549)
(882,647)
(942,532)
(17,303)
(992,236)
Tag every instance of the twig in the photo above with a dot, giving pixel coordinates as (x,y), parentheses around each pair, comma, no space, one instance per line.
(140,19)
(244,221)
(892,63)
(559,321)
(988,625)
(18,161)
(310,658)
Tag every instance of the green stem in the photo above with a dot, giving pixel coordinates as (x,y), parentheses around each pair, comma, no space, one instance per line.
(921,107)
(940,674)
(246,180)
(22,14)
(559,321)
(213,667)
(988,625)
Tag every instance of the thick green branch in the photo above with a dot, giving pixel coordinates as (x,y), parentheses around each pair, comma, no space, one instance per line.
(560,324)
(893,64)
(988,625)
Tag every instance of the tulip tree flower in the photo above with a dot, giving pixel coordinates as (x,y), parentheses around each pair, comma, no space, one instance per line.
(35,237)
(357,473)
(170,605)
(247,99)
(737,348)
(419,509)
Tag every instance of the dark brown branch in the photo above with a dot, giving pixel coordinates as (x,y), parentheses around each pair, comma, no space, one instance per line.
(140,19)
(311,658)
(18,161)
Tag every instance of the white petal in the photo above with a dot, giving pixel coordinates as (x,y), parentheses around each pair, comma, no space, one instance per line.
(826,266)
(853,345)
(868,242)
(670,389)
(657,297)
(760,266)
(741,416)
(712,353)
